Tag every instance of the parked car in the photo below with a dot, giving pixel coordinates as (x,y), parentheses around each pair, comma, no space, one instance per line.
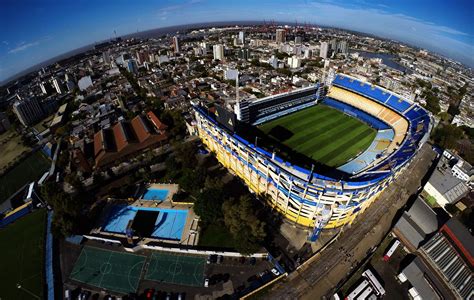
(242,260)
(212,259)
(149,293)
(253,261)
(206,282)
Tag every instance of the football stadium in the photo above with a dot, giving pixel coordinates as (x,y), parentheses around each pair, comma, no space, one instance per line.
(319,155)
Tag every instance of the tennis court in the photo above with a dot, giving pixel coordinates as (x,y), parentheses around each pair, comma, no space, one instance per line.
(176,269)
(114,271)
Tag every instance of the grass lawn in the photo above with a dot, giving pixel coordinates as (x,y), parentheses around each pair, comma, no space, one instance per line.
(431,200)
(321,133)
(10,147)
(216,235)
(21,256)
(32,168)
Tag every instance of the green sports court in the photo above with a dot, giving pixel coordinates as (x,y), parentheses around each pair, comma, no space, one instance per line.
(111,270)
(176,269)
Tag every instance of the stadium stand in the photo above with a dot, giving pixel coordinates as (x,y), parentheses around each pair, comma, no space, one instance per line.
(359,114)
(355,100)
(371,155)
(301,195)
(256,111)
(16,214)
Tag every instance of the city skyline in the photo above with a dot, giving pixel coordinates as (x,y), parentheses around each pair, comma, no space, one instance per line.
(41,31)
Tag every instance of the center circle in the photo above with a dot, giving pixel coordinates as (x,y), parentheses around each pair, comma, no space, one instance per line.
(175,268)
(105,268)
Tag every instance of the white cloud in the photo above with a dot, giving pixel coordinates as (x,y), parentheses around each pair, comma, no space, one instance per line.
(22,46)
(165,11)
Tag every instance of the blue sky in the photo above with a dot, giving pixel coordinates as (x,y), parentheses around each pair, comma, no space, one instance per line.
(35,30)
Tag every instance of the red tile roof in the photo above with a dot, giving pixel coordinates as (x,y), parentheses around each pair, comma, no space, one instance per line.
(154,119)
(124,139)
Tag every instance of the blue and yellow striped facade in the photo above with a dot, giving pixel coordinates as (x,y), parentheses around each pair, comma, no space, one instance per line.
(298,194)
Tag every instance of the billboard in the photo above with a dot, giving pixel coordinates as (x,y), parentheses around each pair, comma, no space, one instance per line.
(225,118)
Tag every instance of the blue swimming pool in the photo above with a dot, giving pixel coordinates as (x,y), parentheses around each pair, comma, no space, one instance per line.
(118,218)
(155,194)
(169,223)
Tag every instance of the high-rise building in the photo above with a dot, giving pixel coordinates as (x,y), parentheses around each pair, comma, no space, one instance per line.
(242,38)
(333,45)
(106,57)
(151,58)
(273,61)
(294,62)
(142,57)
(298,40)
(342,47)
(46,88)
(218,51)
(175,44)
(28,111)
(132,66)
(330,76)
(70,85)
(58,85)
(323,50)
(280,35)
(244,53)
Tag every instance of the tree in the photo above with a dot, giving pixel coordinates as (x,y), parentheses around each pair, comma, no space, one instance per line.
(186,154)
(447,135)
(66,209)
(208,205)
(244,225)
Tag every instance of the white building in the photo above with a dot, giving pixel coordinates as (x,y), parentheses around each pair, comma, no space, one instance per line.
(323,50)
(294,62)
(231,74)
(106,57)
(58,86)
(28,111)
(242,38)
(84,83)
(273,61)
(176,44)
(218,51)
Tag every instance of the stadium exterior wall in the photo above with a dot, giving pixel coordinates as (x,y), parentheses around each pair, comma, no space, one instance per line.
(301,196)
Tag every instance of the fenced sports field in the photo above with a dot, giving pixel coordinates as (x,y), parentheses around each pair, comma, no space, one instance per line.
(176,269)
(111,270)
(121,272)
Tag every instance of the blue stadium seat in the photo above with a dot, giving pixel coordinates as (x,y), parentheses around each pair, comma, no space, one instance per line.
(363,116)
(398,104)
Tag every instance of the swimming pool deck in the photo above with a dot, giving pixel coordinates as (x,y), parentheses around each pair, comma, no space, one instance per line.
(171,188)
(190,233)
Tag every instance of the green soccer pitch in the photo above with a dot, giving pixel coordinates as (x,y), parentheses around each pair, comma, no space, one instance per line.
(114,271)
(321,133)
